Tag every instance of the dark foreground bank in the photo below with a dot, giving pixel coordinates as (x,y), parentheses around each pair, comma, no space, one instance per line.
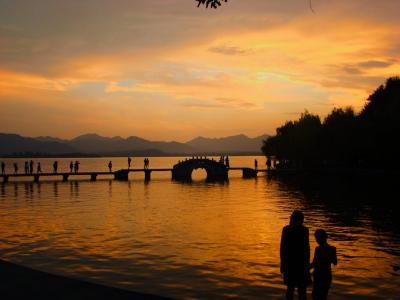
(17,282)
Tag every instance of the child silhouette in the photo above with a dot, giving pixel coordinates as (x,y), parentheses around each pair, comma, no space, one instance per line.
(324,256)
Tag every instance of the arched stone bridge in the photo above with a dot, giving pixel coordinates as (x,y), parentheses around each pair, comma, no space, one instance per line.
(216,171)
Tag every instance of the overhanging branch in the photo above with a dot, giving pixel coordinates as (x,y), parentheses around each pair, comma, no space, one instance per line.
(210,3)
(216,3)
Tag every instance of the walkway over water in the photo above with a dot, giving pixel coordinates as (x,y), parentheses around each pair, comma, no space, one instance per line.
(182,171)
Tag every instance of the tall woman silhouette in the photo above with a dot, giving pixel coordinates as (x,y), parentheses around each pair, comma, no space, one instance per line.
(295,256)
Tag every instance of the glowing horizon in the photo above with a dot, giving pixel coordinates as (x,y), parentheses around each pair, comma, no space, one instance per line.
(167,70)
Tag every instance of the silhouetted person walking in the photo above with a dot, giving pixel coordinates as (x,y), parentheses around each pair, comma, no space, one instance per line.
(110,166)
(39,168)
(129,162)
(15,168)
(268,163)
(31,167)
(26,167)
(76,166)
(255,164)
(295,256)
(226,161)
(324,256)
(55,166)
(71,167)
(3,167)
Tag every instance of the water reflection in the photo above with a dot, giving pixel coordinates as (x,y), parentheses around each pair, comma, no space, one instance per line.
(15,190)
(55,189)
(130,190)
(199,240)
(349,203)
(110,183)
(39,188)
(74,189)
(360,215)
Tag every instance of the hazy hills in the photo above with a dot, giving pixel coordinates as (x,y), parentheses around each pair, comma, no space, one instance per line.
(236,143)
(93,144)
(13,143)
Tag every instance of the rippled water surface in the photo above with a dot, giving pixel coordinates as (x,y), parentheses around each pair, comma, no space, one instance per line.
(195,240)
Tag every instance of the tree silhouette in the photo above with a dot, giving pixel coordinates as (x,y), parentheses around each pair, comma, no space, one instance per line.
(339,138)
(344,138)
(296,143)
(380,124)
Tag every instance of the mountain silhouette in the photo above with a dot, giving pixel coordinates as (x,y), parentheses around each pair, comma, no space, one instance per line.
(94,144)
(235,143)
(16,144)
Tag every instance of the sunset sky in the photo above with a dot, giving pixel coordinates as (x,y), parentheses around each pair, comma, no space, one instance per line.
(167,70)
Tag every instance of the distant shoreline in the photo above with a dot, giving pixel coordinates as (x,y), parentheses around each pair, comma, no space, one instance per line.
(82,155)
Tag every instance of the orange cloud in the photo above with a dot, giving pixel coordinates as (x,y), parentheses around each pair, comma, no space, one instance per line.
(253,63)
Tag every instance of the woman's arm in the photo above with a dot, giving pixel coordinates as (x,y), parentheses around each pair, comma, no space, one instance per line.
(307,246)
(312,265)
(334,257)
(283,250)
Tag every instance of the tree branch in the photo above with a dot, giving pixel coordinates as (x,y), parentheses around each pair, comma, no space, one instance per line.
(216,3)
(210,3)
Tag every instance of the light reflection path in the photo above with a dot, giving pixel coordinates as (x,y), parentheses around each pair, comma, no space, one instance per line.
(194,240)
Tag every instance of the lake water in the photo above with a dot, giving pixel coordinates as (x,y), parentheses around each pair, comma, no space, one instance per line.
(197,240)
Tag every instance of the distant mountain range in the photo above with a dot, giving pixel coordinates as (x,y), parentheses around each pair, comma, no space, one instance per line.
(93,144)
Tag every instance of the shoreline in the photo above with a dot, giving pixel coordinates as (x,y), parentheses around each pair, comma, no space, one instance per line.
(19,282)
(141,155)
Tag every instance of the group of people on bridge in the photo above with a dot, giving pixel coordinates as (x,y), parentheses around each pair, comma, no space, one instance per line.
(224,159)
(74,166)
(29,167)
(146,164)
(268,163)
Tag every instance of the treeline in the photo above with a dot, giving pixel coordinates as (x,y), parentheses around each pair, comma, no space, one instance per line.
(369,139)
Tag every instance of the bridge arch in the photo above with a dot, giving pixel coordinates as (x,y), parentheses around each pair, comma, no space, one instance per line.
(215,170)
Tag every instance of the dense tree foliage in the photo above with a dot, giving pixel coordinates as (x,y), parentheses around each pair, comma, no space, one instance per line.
(380,119)
(344,138)
(296,141)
